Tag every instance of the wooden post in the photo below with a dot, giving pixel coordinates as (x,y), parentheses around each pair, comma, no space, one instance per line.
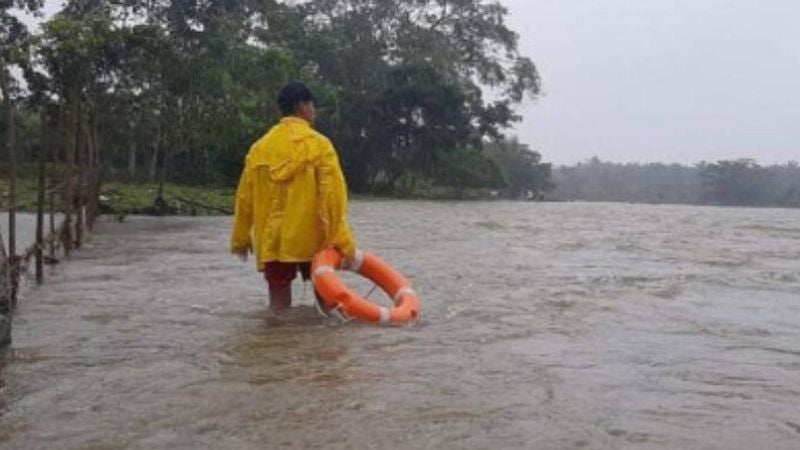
(52,249)
(5,300)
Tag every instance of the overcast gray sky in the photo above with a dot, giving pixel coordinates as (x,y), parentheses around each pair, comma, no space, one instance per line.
(662,80)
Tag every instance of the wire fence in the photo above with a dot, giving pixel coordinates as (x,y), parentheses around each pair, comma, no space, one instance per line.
(65,210)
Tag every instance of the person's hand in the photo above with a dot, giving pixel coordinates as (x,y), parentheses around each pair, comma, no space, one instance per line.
(242,254)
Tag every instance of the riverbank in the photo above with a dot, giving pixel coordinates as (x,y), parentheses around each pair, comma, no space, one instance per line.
(124,197)
(141,198)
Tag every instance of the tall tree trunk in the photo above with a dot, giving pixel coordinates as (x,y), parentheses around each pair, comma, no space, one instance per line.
(131,160)
(97,163)
(96,142)
(156,151)
(160,203)
(40,204)
(11,146)
(68,198)
(58,124)
(89,170)
(80,156)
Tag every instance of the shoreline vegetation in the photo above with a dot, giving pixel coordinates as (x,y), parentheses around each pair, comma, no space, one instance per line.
(123,198)
(178,96)
(740,182)
(724,183)
(180,93)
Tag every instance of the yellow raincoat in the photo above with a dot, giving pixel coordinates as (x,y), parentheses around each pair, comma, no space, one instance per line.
(292,199)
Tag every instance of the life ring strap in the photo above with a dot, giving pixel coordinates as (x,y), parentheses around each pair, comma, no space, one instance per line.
(322,270)
(403,292)
(386,315)
(355,264)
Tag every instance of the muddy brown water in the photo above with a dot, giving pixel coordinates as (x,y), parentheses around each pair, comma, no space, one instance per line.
(548,326)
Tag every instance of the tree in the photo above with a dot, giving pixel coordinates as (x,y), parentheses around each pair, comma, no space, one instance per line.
(730,182)
(524,173)
(180,89)
(597,180)
(14,49)
(365,47)
(785,184)
(739,182)
(468,168)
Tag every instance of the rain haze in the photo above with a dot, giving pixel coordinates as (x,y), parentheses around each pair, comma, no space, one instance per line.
(494,301)
(669,81)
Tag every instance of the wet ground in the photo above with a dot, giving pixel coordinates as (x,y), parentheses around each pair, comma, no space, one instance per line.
(545,326)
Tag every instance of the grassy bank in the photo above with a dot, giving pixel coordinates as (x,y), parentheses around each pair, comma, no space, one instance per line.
(126,197)
(140,198)
(26,194)
(118,197)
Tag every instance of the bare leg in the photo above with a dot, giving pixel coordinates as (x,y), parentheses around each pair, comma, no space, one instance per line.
(280,300)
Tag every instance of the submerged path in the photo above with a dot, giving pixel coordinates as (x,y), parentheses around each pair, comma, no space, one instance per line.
(544,326)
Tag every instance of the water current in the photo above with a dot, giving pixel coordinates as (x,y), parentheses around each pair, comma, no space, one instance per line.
(547,326)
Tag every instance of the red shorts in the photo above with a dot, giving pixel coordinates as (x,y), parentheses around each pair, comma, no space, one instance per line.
(279,274)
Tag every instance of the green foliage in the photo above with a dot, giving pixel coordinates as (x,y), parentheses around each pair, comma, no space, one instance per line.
(409,77)
(421,122)
(15,43)
(597,180)
(467,168)
(525,175)
(785,184)
(14,35)
(27,131)
(736,183)
(740,182)
(131,198)
(178,89)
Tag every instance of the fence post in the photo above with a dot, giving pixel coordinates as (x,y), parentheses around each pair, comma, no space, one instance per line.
(52,249)
(5,293)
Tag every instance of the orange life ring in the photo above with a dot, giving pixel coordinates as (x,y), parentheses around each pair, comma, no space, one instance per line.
(338,296)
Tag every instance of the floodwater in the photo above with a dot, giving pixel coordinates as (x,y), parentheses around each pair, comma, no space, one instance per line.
(547,326)
(25,228)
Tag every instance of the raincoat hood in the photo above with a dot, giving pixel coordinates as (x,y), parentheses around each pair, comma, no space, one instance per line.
(286,161)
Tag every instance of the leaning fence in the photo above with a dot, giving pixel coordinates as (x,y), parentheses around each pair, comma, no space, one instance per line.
(64,209)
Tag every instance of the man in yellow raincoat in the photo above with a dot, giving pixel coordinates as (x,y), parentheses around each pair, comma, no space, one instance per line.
(292,199)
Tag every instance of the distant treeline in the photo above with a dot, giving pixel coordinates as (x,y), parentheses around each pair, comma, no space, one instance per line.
(178,90)
(740,182)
